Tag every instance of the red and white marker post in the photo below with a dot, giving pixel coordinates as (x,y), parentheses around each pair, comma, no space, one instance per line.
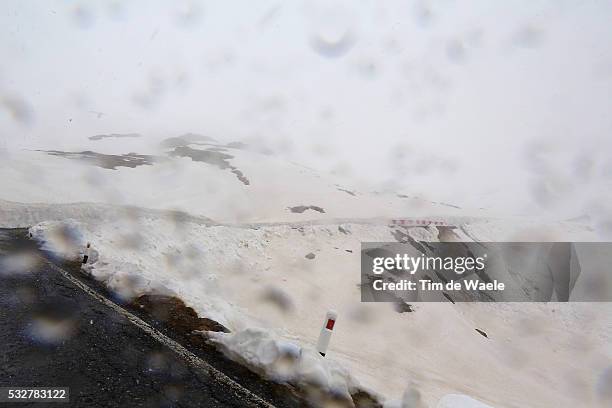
(86,254)
(326,332)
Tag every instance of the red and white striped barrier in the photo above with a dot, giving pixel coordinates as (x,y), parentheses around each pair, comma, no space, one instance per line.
(326,332)
(419,222)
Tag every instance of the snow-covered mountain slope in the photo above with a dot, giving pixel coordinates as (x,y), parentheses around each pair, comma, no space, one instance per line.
(224,182)
(259,277)
(238,254)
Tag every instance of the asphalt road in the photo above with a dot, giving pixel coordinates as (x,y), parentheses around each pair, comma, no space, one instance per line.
(54,334)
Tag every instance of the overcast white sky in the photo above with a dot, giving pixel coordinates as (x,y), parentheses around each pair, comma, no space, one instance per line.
(483,103)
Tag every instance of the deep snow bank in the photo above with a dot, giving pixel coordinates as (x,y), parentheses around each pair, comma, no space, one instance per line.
(284,361)
(257,281)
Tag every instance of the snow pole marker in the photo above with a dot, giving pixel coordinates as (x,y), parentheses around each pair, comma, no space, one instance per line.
(86,254)
(326,332)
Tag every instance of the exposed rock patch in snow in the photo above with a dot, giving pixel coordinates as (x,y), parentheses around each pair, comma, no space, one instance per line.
(299,209)
(211,156)
(106,161)
(482,332)
(204,189)
(343,230)
(173,312)
(185,139)
(349,192)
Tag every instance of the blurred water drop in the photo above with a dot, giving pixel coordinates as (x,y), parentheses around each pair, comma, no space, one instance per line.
(287,360)
(82,16)
(528,36)
(26,294)
(127,285)
(132,240)
(270,15)
(548,191)
(150,96)
(157,362)
(18,109)
(173,259)
(278,298)
(51,330)
(332,45)
(604,229)
(455,50)
(604,385)
(116,9)
(173,392)
(583,166)
(361,314)
(19,263)
(368,68)
(412,398)
(423,14)
(188,13)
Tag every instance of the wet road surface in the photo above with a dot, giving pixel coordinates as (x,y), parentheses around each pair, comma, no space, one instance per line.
(54,334)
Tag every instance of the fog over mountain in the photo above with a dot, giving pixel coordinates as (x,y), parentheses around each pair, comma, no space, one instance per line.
(430,97)
(232,161)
